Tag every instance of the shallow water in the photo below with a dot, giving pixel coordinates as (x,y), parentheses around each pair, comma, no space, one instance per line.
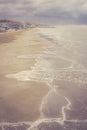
(63,67)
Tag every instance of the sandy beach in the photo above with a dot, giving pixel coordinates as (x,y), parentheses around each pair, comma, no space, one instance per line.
(20,101)
(42,81)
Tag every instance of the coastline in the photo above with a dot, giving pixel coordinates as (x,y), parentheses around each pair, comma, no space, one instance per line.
(38,84)
(20,101)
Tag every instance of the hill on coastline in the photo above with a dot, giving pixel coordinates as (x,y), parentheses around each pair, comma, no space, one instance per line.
(6,25)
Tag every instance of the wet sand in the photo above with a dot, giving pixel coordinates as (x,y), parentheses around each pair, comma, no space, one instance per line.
(8,36)
(20,100)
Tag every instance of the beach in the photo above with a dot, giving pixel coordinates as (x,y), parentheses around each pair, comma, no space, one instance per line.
(43,78)
(20,100)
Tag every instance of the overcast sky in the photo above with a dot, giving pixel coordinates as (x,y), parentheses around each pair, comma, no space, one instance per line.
(62,11)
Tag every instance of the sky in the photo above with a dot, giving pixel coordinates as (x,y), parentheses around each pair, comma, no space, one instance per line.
(46,11)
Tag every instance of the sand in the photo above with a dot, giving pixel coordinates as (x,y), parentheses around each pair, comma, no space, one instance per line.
(20,101)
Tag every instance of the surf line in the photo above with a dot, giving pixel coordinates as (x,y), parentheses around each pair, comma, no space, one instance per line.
(59,120)
(64,108)
(67,107)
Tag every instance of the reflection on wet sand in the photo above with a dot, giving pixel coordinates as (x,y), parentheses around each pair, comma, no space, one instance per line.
(20,101)
(50,83)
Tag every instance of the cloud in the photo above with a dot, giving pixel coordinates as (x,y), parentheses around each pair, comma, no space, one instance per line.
(45,10)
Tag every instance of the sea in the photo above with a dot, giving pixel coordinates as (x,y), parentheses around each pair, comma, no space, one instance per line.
(63,66)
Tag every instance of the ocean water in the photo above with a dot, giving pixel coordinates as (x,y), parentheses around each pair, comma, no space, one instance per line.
(63,66)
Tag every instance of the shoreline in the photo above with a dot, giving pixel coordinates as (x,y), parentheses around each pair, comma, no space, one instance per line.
(29,93)
(19,100)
